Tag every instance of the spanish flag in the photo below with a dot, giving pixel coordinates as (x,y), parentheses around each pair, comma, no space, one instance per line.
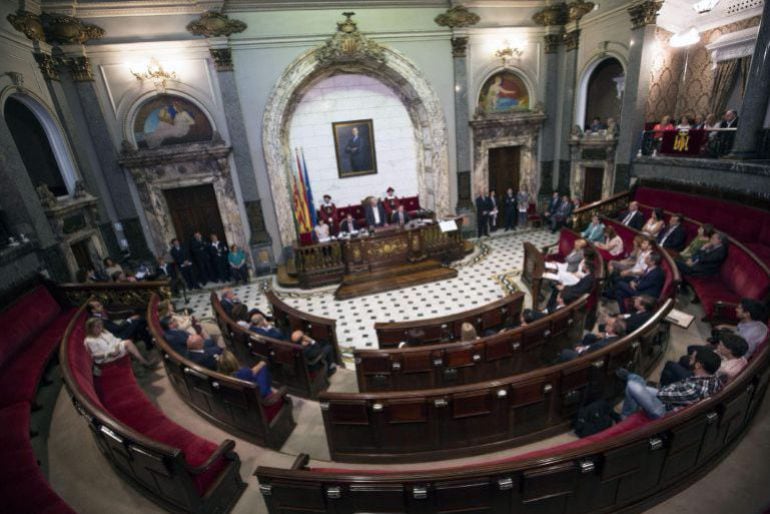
(301,208)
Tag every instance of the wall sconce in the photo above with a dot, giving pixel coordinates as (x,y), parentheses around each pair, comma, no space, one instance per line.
(507,52)
(156,74)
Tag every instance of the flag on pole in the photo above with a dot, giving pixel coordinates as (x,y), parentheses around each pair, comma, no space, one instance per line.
(308,191)
(301,209)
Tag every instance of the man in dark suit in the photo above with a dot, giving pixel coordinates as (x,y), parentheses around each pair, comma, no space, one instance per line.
(553,206)
(571,293)
(400,216)
(649,283)
(374,213)
(358,151)
(219,264)
(633,217)
(178,338)
(201,354)
(183,263)
(348,224)
(509,209)
(312,349)
(200,256)
(259,325)
(562,214)
(675,236)
(708,260)
(228,301)
(614,330)
(483,208)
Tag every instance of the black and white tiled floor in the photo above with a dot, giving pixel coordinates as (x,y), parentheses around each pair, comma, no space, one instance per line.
(487,274)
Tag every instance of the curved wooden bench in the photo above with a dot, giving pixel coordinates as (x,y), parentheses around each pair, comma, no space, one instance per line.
(482,417)
(500,355)
(170,465)
(629,467)
(492,316)
(288,319)
(232,403)
(287,362)
(33,326)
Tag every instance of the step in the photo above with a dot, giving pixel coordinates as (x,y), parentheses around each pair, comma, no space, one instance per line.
(389,283)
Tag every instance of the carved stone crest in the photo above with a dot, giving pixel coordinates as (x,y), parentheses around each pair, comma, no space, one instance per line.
(644,14)
(348,44)
(28,24)
(81,69)
(572,40)
(47,65)
(579,8)
(555,14)
(457,16)
(80,190)
(17,79)
(215,24)
(68,30)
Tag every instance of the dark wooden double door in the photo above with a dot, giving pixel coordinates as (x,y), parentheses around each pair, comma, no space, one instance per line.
(194,209)
(504,163)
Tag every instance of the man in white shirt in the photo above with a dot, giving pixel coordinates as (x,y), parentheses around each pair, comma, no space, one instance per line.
(751,325)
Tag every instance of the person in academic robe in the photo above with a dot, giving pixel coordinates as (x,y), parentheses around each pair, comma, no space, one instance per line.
(390,202)
(220,266)
(375,213)
(400,216)
(328,213)
(509,209)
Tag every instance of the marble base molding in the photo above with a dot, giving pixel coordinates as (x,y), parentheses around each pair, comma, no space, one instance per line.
(510,129)
(175,167)
(386,65)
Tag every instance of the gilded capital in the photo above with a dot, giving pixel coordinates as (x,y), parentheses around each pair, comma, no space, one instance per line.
(644,13)
(572,40)
(552,42)
(552,15)
(348,44)
(215,24)
(28,24)
(579,8)
(81,69)
(47,66)
(459,46)
(223,58)
(457,17)
(68,30)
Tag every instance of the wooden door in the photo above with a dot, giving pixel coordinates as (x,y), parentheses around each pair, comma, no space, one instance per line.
(82,255)
(194,209)
(504,169)
(592,188)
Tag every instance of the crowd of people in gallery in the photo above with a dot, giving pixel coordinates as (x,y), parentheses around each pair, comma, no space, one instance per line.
(719,132)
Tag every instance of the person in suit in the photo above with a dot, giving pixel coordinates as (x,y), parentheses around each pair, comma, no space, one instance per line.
(509,209)
(675,236)
(708,260)
(228,300)
(201,354)
(571,293)
(200,256)
(644,309)
(259,325)
(134,327)
(390,202)
(633,217)
(312,349)
(553,206)
(400,217)
(493,210)
(375,213)
(483,208)
(163,269)
(177,337)
(328,213)
(357,150)
(649,283)
(220,266)
(613,330)
(348,224)
(522,205)
(562,214)
(183,263)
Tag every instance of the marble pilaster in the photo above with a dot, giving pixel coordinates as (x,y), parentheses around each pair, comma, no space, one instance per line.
(462,134)
(549,150)
(755,98)
(567,100)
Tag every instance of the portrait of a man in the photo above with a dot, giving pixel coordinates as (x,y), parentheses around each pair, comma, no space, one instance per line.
(354,144)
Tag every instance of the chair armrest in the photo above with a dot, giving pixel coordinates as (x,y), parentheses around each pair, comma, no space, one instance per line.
(724,313)
(224,448)
(274,397)
(301,461)
(547,249)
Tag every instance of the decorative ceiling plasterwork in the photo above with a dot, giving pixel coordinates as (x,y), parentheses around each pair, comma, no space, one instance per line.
(645,13)
(54,28)
(349,45)
(552,15)
(457,17)
(215,24)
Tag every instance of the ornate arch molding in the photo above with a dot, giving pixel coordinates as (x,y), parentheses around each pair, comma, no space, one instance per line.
(392,69)
(585,77)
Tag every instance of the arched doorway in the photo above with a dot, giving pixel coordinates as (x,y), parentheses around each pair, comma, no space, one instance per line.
(601,92)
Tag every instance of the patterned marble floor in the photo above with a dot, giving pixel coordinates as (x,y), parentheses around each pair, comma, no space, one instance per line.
(489,273)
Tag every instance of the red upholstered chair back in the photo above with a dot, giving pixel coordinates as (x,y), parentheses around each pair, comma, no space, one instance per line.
(23,320)
(306,239)
(81,363)
(743,275)
(567,240)
(411,203)
(764,232)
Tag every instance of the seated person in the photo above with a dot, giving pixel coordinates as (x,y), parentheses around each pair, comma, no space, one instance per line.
(400,216)
(349,225)
(614,329)
(731,349)
(134,327)
(312,349)
(628,269)
(633,217)
(468,332)
(528,316)
(571,293)
(562,214)
(321,231)
(202,354)
(259,325)
(656,402)
(612,243)
(655,224)
(649,283)
(751,326)
(595,230)
(241,315)
(258,374)
(105,347)
(644,309)
(111,267)
(228,299)
(207,329)
(703,236)
(239,268)
(708,260)
(565,272)
(177,337)
(375,213)
(674,237)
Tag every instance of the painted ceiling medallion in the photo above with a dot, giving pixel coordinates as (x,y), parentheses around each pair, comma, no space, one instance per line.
(68,30)
(215,24)
(348,44)
(457,17)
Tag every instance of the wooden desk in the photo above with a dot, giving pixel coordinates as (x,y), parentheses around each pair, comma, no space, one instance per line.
(532,274)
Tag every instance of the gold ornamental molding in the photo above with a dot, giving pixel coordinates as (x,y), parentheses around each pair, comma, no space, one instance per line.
(579,8)
(459,46)
(47,65)
(552,15)
(215,24)
(348,45)
(572,40)
(81,69)
(644,14)
(28,24)
(457,17)
(552,42)
(68,30)
(223,58)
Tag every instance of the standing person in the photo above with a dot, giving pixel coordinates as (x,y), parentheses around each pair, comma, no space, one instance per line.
(493,211)
(200,256)
(390,202)
(357,150)
(522,203)
(238,269)
(183,263)
(328,213)
(553,206)
(375,213)
(483,206)
(509,209)
(218,259)
(562,214)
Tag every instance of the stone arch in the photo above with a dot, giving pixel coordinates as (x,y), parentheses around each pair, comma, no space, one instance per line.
(399,74)
(585,79)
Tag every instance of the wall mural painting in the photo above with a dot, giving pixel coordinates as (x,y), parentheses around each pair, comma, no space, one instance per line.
(170,120)
(503,92)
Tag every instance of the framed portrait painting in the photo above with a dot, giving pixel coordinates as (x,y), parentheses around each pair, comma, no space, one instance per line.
(354,145)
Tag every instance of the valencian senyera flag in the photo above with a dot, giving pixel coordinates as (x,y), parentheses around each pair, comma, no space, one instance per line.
(301,208)
(308,190)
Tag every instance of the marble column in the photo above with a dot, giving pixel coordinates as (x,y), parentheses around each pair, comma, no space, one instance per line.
(549,150)
(637,88)
(567,100)
(755,99)
(462,126)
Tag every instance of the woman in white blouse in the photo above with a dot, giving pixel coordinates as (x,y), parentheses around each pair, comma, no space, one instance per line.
(655,224)
(613,243)
(105,347)
(684,123)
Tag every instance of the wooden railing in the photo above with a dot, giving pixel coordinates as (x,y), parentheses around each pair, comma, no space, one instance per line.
(608,207)
(116,296)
